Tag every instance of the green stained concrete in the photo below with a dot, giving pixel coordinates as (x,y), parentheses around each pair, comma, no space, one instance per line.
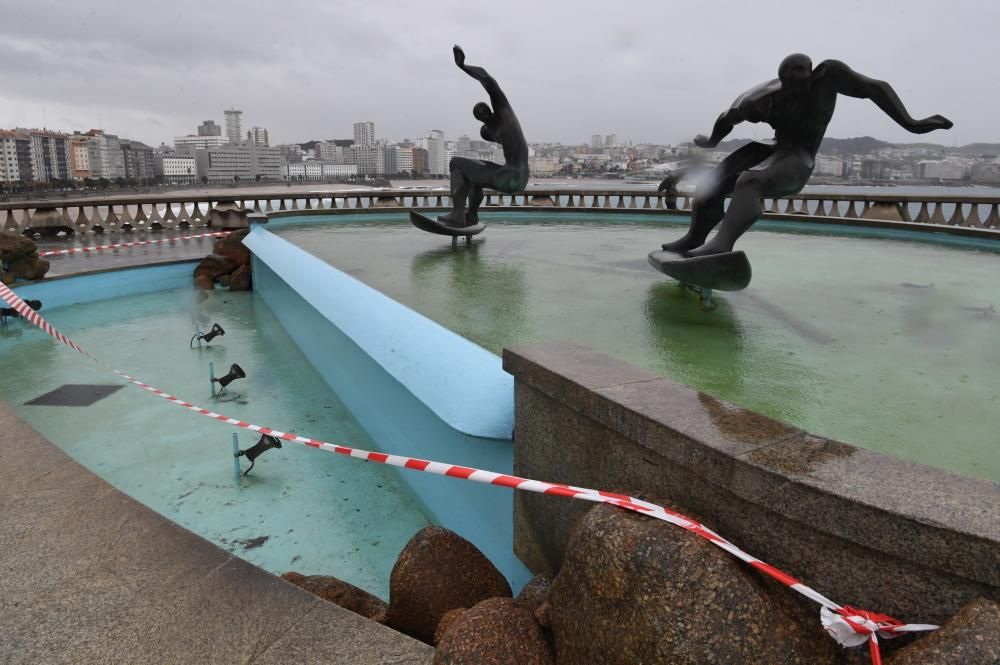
(890,345)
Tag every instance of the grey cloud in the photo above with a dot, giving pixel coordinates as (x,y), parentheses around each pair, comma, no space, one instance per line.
(646,70)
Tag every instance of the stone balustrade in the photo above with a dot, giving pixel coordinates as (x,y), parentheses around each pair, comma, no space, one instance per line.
(125,213)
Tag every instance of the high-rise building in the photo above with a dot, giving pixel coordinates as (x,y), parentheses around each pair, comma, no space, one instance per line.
(13,166)
(49,154)
(79,156)
(258,136)
(370,159)
(105,153)
(209,128)
(437,161)
(364,134)
(596,141)
(610,140)
(233,130)
(420,160)
(137,159)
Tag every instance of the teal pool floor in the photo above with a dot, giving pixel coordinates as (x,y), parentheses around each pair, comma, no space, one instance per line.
(886,344)
(299,509)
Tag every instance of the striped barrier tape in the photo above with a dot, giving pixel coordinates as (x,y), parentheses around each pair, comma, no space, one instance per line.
(101,248)
(847,625)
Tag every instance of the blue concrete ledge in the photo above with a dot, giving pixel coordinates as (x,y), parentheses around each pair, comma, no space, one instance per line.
(79,289)
(461,382)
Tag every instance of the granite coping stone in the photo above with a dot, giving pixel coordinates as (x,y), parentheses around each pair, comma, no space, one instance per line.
(941,519)
(88,574)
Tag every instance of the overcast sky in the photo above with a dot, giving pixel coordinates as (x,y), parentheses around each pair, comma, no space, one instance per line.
(657,71)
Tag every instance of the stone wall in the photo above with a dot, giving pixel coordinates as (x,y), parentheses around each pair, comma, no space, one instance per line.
(862,528)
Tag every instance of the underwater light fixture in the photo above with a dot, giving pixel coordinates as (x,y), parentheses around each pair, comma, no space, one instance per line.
(235,372)
(267,442)
(216,331)
(10,312)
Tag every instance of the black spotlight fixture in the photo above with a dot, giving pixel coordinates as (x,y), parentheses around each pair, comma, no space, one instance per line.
(10,312)
(216,331)
(235,372)
(252,453)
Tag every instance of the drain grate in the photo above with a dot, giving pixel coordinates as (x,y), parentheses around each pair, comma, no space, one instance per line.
(74,394)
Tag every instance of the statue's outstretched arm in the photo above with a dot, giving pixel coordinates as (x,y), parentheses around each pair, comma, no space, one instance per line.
(723,125)
(497,98)
(848,82)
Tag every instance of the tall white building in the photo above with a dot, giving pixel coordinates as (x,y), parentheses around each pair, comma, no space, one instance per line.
(437,159)
(233,130)
(9,169)
(364,133)
(596,141)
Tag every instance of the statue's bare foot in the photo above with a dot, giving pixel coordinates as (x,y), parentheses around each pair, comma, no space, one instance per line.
(471,218)
(706,250)
(453,219)
(682,245)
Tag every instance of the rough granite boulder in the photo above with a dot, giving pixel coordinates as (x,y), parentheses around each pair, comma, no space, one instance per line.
(204,282)
(436,572)
(446,621)
(6,278)
(20,254)
(233,248)
(241,279)
(633,589)
(27,267)
(14,246)
(534,592)
(341,593)
(213,266)
(970,637)
(493,632)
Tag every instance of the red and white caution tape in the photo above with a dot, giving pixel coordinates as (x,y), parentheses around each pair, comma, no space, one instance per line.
(138,243)
(847,625)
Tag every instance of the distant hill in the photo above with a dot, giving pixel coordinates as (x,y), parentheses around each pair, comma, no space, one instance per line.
(863,145)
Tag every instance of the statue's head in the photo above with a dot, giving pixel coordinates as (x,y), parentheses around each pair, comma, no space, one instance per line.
(482,111)
(795,72)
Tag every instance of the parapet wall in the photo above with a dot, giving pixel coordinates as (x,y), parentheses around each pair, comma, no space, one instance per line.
(860,527)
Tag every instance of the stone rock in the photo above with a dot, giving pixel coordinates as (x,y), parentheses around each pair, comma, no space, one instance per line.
(446,621)
(436,572)
(27,267)
(233,248)
(204,282)
(534,592)
(224,279)
(14,246)
(341,593)
(214,265)
(633,589)
(494,632)
(970,637)
(6,278)
(241,279)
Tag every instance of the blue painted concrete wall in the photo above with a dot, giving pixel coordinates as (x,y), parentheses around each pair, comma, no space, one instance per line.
(416,387)
(103,285)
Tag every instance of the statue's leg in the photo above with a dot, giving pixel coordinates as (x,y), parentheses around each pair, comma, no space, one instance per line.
(467,175)
(459,193)
(475,200)
(787,174)
(708,207)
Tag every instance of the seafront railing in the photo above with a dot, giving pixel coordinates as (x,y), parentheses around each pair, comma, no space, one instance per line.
(154,212)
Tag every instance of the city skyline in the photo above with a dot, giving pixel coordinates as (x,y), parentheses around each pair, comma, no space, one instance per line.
(661,79)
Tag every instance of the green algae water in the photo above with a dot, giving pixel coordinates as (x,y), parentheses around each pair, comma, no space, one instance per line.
(887,344)
(299,509)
